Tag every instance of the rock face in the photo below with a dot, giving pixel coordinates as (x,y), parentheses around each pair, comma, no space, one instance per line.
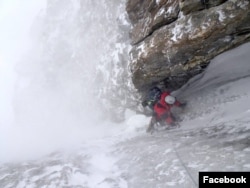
(173,40)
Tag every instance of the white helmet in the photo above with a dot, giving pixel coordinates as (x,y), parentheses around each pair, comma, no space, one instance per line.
(170,99)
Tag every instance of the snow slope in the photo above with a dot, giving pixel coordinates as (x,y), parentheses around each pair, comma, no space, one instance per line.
(214,133)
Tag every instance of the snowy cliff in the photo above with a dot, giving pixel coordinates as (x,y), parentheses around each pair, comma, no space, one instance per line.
(81,50)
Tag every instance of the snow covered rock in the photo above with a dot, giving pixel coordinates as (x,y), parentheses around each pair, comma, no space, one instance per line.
(147,16)
(175,40)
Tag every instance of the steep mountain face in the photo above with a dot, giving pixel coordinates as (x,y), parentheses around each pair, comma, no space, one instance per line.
(81,50)
(175,40)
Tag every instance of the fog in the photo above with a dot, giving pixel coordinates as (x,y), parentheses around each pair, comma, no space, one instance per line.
(52,70)
(15,21)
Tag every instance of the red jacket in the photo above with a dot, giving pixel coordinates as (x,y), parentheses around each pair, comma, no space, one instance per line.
(162,108)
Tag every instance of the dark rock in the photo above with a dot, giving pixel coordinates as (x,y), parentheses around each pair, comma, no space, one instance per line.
(147,16)
(188,6)
(174,52)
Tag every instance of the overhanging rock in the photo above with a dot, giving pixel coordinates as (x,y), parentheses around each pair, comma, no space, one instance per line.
(181,47)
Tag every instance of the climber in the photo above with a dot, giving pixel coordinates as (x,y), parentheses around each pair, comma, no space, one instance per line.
(161,104)
(205,3)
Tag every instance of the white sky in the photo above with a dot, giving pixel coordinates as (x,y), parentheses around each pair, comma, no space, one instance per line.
(16,18)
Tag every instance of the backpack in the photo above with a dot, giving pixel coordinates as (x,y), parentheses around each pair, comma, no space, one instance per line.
(152,97)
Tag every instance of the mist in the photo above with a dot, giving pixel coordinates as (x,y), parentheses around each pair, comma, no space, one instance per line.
(53,72)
